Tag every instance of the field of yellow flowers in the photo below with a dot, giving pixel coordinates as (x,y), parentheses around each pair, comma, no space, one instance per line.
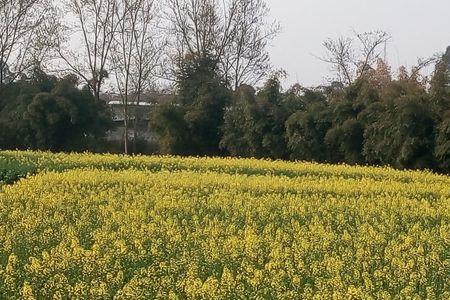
(84,226)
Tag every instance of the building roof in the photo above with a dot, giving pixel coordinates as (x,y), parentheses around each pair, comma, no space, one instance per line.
(147,99)
(117,102)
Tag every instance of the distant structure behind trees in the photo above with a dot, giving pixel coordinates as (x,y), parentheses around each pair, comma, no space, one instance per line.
(142,138)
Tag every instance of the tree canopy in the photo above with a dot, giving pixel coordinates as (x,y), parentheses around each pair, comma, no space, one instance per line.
(45,112)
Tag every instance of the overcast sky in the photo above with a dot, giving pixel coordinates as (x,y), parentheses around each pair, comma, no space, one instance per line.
(419,28)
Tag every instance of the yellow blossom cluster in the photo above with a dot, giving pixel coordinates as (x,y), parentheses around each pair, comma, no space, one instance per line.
(111,227)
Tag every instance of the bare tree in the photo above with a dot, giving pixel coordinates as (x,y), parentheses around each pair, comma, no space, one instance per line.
(351,58)
(196,27)
(136,54)
(149,56)
(96,22)
(26,35)
(233,33)
(245,59)
(121,56)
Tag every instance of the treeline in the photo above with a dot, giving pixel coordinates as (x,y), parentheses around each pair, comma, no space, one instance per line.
(212,54)
(379,119)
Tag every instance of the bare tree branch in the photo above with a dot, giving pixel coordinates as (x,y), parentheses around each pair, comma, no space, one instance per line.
(233,33)
(350,63)
(96,21)
(26,36)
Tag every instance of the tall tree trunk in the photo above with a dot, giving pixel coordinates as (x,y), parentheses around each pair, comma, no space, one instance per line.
(2,67)
(99,86)
(1,78)
(136,118)
(125,123)
(135,128)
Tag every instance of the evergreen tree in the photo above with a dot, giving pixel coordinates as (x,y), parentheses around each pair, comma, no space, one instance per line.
(49,113)
(197,113)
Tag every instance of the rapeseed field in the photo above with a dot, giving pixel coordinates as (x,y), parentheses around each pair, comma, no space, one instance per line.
(84,226)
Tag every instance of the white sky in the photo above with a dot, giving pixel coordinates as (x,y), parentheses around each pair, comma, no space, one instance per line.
(419,28)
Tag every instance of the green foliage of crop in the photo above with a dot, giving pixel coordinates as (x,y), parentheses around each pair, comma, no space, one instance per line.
(83,226)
